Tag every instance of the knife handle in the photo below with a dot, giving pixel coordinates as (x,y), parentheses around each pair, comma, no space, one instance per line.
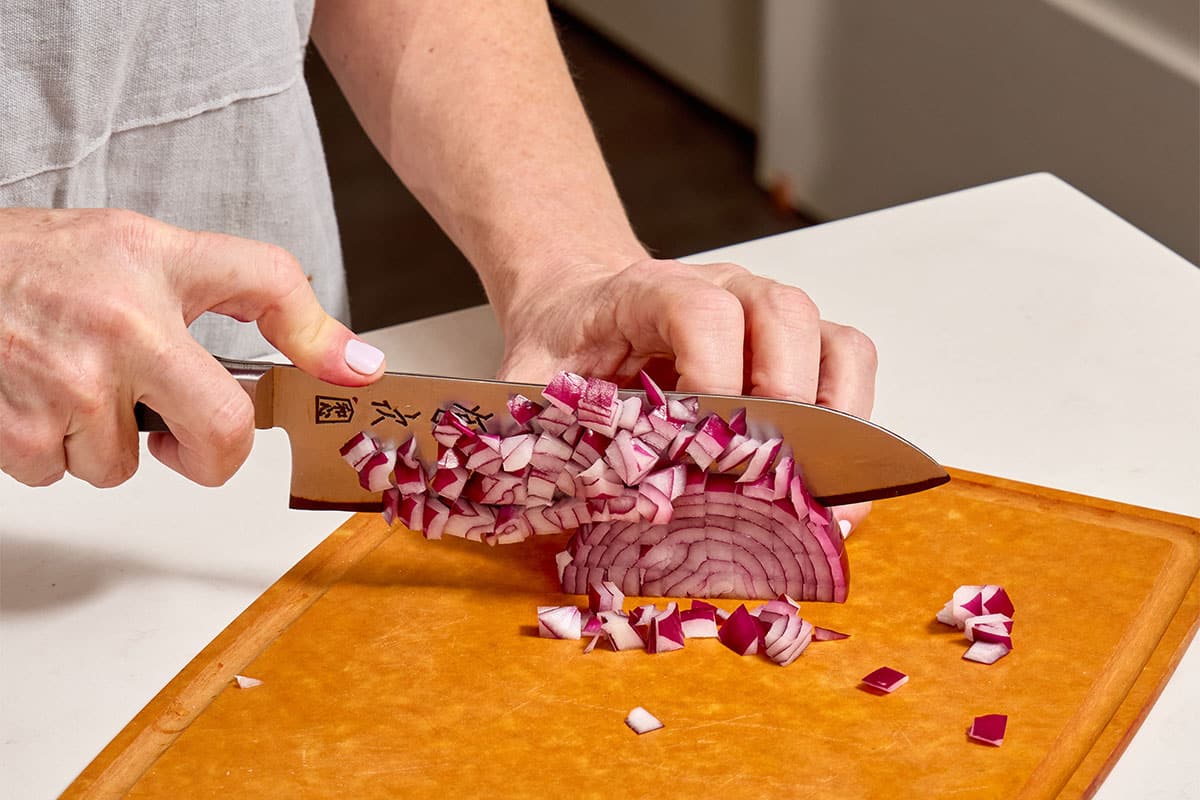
(246,373)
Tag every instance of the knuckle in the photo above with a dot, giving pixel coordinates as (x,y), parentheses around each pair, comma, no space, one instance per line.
(790,301)
(860,346)
(230,435)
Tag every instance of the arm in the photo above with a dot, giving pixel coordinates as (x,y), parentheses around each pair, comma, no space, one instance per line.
(472,105)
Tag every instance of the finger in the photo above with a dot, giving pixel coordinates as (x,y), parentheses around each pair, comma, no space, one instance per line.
(701,325)
(253,281)
(30,452)
(783,325)
(851,516)
(102,448)
(210,417)
(848,366)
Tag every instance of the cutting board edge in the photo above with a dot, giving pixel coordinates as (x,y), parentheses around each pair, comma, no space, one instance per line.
(118,767)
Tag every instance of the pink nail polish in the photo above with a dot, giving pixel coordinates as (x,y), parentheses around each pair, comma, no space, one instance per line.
(362,357)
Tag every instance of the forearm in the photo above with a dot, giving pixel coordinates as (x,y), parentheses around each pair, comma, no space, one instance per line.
(473,106)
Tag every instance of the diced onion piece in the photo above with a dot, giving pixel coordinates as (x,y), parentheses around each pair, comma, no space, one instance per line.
(374,472)
(699,623)
(996,601)
(620,634)
(642,721)
(740,633)
(737,421)
(827,634)
(245,682)
(665,632)
(391,505)
(358,448)
(565,390)
(560,622)
(992,625)
(986,652)
(591,645)
(885,679)
(605,596)
(522,409)
(561,560)
(989,729)
(654,395)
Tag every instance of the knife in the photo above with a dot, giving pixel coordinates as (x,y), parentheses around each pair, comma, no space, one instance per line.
(843,459)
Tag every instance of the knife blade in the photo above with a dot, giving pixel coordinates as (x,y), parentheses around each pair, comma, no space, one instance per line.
(843,459)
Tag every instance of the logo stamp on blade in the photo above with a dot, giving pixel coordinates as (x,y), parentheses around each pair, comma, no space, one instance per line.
(334,409)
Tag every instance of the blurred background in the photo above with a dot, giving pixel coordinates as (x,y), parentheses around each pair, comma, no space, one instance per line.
(727,120)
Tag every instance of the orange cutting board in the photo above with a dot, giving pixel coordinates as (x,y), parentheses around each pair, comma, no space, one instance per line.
(396,667)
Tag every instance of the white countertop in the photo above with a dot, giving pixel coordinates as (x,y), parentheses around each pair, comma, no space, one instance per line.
(1023,331)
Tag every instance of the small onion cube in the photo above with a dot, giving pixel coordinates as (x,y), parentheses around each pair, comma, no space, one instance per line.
(358,448)
(989,729)
(642,721)
(407,453)
(391,505)
(559,622)
(827,634)
(996,601)
(591,625)
(665,632)
(516,450)
(761,461)
(591,645)
(740,449)
(737,421)
(986,652)
(565,390)
(411,513)
(374,473)
(630,411)
(620,634)
(245,682)
(409,480)
(605,596)
(654,395)
(885,679)
(740,633)
(522,409)
(556,421)
(561,560)
(699,623)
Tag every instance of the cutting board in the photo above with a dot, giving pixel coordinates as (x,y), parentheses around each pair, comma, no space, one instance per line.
(396,667)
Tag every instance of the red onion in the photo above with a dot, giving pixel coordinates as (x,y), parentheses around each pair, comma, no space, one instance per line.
(245,682)
(986,652)
(559,622)
(827,635)
(665,631)
(631,477)
(740,633)
(885,679)
(989,729)
(619,632)
(642,721)
(605,596)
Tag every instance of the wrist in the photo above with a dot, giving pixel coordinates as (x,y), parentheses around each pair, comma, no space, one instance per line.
(523,284)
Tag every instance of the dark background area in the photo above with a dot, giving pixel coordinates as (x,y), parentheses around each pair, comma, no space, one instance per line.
(684,171)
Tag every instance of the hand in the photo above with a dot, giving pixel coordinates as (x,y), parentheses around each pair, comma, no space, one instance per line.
(96,307)
(726,330)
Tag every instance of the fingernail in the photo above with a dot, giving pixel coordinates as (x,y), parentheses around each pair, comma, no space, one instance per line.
(362,357)
(844,524)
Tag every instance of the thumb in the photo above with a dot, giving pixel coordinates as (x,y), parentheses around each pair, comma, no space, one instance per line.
(254,281)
